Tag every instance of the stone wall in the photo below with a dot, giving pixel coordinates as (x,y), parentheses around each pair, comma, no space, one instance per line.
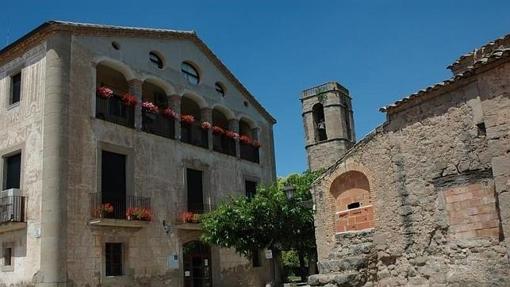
(438,184)
(21,130)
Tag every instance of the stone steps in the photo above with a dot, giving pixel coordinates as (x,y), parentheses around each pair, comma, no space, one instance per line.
(352,263)
(339,279)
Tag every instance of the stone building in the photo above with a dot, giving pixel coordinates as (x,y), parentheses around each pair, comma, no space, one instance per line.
(424,199)
(114,140)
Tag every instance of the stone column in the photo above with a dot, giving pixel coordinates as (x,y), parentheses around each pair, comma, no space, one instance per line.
(233,125)
(174,102)
(53,270)
(135,89)
(206,115)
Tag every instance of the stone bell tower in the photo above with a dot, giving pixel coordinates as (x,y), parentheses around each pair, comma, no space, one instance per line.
(328,122)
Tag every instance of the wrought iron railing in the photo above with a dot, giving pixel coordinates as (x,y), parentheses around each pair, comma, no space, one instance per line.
(157,124)
(12,209)
(224,144)
(249,152)
(129,207)
(194,134)
(114,110)
(191,213)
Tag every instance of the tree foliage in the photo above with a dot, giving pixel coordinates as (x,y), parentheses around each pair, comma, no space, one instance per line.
(268,220)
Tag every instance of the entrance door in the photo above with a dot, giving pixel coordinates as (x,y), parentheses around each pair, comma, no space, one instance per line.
(197,264)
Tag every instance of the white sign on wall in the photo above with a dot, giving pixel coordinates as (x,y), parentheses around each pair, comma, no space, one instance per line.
(269,254)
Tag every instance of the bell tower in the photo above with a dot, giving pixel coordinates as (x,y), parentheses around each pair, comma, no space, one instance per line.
(328,122)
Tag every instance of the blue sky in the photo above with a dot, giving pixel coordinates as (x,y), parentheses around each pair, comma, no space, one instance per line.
(380,50)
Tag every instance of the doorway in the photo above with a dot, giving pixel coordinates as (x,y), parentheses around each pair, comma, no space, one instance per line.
(197,264)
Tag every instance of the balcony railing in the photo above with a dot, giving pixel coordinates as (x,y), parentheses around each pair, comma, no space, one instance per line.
(129,208)
(194,134)
(249,152)
(158,125)
(12,209)
(192,213)
(113,110)
(224,144)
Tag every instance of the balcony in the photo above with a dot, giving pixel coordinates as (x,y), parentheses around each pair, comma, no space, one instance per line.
(249,152)
(130,212)
(158,125)
(114,110)
(12,213)
(194,134)
(224,144)
(189,217)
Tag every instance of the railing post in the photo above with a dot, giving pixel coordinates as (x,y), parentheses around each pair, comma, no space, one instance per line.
(206,115)
(135,89)
(175,105)
(233,125)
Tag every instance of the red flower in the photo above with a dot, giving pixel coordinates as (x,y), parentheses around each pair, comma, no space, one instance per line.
(231,134)
(150,107)
(129,100)
(186,216)
(189,119)
(217,130)
(139,213)
(169,113)
(245,139)
(104,92)
(206,125)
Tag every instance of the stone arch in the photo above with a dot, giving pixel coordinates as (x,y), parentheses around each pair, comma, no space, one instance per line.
(190,106)
(154,93)
(167,87)
(353,202)
(319,122)
(226,111)
(119,66)
(220,118)
(247,127)
(196,98)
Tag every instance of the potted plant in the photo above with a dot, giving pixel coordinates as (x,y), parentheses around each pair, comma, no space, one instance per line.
(245,139)
(104,210)
(104,92)
(169,113)
(256,144)
(206,125)
(129,100)
(150,110)
(217,130)
(232,135)
(195,218)
(139,213)
(188,119)
(186,216)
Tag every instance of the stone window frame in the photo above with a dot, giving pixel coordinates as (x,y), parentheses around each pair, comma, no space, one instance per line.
(130,165)
(125,260)
(17,149)
(207,195)
(8,268)
(18,69)
(249,177)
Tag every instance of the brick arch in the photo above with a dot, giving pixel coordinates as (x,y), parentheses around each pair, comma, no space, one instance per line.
(353,202)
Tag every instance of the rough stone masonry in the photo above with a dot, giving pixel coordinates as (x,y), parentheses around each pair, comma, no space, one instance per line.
(435,178)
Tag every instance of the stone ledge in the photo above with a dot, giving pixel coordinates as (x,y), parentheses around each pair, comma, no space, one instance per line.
(12,226)
(110,222)
(189,226)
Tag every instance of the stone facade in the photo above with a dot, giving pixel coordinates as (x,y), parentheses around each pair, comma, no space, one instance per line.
(438,173)
(61,140)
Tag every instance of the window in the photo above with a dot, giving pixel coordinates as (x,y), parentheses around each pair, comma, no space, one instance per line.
(156,59)
(219,89)
(12,165)
(195,191)
(15,89)
(353,205)
(113,259)
(319,123)
(116,45)
(250,188)
(8,256)
(190,73)
(113,182)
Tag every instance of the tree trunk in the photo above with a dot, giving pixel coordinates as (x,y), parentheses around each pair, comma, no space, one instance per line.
(312,262)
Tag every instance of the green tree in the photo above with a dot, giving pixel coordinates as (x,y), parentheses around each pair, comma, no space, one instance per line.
(268,220)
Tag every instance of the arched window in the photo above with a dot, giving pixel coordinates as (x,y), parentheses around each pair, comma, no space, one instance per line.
(191,131)
(220,90)
(222,142)
(190,73)
(354,210)
(319,123)
(156,59)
